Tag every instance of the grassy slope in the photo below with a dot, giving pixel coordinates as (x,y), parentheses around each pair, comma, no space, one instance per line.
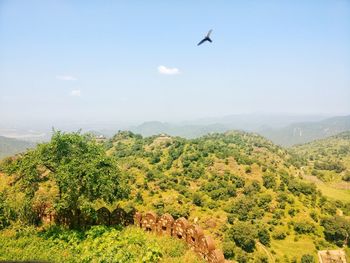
(336,150)
(96,245)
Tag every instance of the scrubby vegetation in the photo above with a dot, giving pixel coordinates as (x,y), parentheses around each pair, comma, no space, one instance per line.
(248,193)
(98,244)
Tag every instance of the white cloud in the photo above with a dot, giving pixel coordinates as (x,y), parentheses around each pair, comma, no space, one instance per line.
(75,93)
(66,77)
(168,71)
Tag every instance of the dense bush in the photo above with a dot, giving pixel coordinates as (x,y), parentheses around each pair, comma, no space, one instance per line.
(279,234)
(264,236)
(329,165)
(307,258)
(79,172)
(269,180)
(243,234)
(99,244)
(304,227)
(228,248)
(300,187)
(336,230)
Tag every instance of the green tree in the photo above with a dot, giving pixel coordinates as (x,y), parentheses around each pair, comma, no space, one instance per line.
(243,234)
(197,199)
(80,170)
(269,180)
(264,237)
(336,230)
(228,248)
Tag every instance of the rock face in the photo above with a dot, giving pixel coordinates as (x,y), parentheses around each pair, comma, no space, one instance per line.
(193,235)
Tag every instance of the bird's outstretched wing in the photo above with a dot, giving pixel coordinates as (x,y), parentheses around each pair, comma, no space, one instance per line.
(209,32)
(202,41)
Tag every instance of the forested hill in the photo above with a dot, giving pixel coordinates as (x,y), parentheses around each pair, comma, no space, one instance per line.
(329,158)
(246,192)
(235,184)
(9,146)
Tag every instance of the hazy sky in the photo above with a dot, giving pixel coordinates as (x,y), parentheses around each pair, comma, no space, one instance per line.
(139,60)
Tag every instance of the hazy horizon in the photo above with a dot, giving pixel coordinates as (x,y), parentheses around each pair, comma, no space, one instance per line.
(132,62)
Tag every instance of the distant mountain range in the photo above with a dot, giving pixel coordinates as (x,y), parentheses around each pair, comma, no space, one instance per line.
(291,134)
(285,130)
(185,130)
(9,146)
(303,132)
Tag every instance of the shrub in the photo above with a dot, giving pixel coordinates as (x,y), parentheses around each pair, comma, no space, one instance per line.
(269,180)
(304,227)
(228,248)
(279,234)
(264,237)
(306,258)
(336,230)
(197,199)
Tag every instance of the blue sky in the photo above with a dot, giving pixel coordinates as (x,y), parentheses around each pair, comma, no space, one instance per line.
(99,60)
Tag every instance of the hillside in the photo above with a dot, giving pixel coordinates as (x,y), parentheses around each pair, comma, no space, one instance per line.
(327,162)
(244,191)
(9,146)
(227,182)
(303,132)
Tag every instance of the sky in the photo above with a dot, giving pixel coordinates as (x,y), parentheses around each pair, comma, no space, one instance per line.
(121,61)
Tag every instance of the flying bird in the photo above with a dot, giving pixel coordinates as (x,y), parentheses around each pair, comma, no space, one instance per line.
(206,38)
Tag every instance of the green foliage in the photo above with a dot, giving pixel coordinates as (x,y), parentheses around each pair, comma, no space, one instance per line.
(307,258)
(243,234)
(264,236)
(238,176)
(6,215)
(197,199)
(269,180)
(304,227)
(242,207)
(279,234)
(330,166)
(228,248)
(78,168)
(336,230)
(98,244)
(298,187)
